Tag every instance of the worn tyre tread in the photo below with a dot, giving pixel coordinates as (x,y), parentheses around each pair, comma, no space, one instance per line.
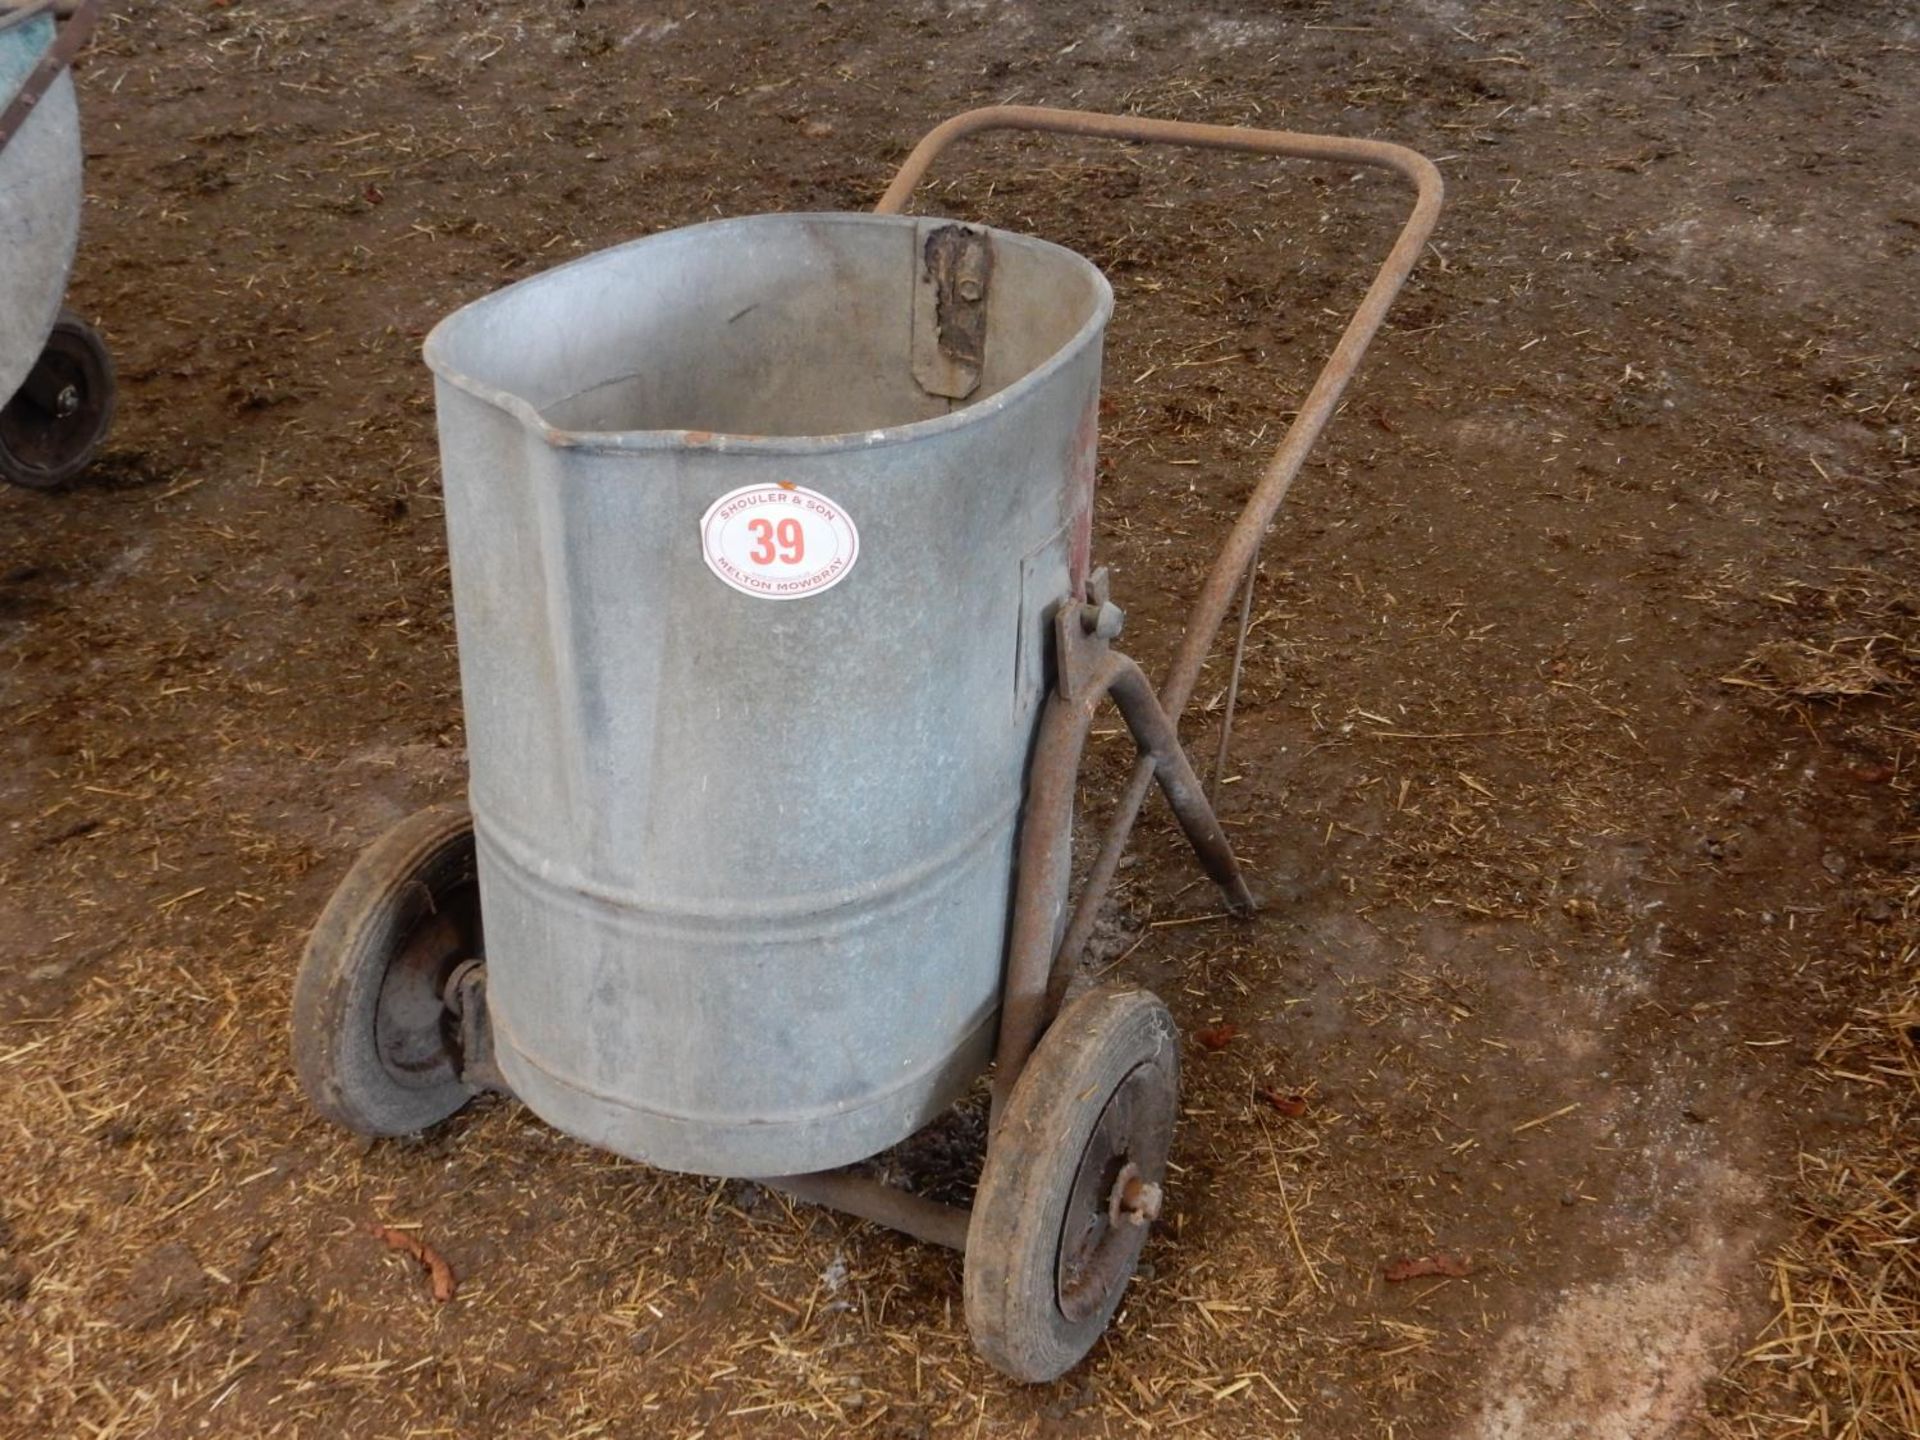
(335,993)
(1018,1211)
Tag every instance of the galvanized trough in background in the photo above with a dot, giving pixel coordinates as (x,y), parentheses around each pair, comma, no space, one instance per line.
(56,380)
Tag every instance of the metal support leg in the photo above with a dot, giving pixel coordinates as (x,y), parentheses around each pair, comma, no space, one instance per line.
(1037,968)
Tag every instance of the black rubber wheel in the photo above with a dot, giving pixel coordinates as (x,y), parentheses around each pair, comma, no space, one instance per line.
(374,1044)
(1072,1183)
(53,424)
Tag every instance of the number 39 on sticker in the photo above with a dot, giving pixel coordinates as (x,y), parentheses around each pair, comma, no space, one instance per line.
(778,542)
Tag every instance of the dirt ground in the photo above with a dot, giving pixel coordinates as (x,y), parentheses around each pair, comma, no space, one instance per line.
(1576,752)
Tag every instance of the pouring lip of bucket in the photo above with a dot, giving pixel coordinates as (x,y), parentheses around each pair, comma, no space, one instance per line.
(528,414)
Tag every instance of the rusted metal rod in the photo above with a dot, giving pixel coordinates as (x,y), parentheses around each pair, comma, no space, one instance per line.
(871,1199)
(1233,678)
(1243,541)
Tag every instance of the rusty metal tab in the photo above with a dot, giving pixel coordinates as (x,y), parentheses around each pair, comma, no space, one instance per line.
(950,293)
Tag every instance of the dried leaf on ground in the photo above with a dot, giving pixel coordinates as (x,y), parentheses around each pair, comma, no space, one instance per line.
(1217,1037)
(1440,1263)
(1291,1105)
(444,1281)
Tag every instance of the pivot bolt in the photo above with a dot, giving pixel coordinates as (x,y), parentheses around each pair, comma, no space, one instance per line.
(1105,620)
(453,994)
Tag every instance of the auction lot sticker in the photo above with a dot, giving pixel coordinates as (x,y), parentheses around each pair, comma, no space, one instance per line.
(778,542)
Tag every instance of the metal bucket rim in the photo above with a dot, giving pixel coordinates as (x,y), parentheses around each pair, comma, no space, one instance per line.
(523,410)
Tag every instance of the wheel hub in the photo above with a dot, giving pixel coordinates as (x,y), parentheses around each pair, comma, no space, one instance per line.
(1135,1201)
(50,427)
(1116,1193)
(416,1031)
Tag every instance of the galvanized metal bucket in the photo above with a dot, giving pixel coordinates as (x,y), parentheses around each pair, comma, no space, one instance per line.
(746,827)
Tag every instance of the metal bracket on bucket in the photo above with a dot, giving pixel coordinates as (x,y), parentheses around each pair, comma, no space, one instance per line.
(1081,633)
(952,284)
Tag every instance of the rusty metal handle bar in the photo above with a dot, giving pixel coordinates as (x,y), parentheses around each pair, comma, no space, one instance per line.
(80,17)
(1243,541)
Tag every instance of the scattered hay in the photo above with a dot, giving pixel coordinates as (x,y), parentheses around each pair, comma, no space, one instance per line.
(1838,1358)
(1792,668)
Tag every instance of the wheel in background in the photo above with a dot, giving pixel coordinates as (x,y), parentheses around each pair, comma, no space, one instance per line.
(1072,1183)
(374,1044)
(53,424)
